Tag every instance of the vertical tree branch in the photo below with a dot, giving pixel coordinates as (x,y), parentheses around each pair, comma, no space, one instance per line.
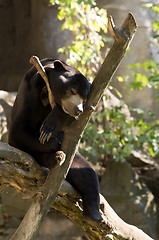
(45,198)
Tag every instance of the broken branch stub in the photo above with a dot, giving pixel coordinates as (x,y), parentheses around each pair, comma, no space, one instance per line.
(126,30)
(123,37)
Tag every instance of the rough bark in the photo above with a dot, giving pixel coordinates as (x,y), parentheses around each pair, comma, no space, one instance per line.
(46,194)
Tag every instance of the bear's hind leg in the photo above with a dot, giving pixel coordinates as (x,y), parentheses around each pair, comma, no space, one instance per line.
(85,180)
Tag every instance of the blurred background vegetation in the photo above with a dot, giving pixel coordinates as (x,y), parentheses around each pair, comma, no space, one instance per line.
(88,25)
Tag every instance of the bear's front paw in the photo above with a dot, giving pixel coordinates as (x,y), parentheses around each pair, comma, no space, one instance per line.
(60,158)
(51,126)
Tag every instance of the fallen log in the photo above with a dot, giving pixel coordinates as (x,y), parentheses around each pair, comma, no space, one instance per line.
(19,170)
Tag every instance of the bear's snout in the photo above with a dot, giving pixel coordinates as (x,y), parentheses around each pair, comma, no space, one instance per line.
(73,105)
(79,109)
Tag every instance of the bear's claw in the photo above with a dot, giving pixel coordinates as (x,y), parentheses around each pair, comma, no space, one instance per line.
(44,136)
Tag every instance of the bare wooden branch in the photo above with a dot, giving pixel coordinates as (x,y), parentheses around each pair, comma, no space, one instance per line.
(46,195)
(36,62)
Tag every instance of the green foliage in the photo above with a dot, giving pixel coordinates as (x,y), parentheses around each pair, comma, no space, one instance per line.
(109,132)
(144,75)
(87,23)
(122,135)
(116,141)
(155,8)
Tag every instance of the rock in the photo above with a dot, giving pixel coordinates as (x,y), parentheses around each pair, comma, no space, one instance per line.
(54,227)
(13,204)
(59,228)
(129,197)
(6,102)
(111,101)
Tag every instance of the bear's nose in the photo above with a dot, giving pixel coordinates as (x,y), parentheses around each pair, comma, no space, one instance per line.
(79,109)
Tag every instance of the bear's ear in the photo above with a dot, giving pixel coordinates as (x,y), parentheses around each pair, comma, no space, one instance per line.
(58,65)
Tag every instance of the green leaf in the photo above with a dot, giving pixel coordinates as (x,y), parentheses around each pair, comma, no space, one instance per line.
(155,25)
(120,79)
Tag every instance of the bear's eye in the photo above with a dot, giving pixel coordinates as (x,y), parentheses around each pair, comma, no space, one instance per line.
(72,92)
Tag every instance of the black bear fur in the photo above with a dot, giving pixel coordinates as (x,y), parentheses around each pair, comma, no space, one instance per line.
(32,119)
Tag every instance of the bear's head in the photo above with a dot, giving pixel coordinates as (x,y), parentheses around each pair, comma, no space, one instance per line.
(69,87)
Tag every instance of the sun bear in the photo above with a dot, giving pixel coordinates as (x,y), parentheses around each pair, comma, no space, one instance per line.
(37,129)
